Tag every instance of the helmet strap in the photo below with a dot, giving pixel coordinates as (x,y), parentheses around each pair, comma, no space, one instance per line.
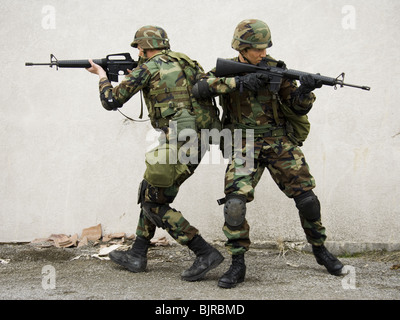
(243,56)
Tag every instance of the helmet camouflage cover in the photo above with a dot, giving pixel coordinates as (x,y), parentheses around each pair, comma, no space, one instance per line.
(151,37)
(251,33)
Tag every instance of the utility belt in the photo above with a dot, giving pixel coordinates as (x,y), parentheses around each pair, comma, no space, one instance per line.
(258,132)
(273,133)
(263,131)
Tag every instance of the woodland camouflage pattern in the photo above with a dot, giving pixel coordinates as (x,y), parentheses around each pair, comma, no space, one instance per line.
(151,37)
(166,80)
(289,170)
(256,108)
(173,221)
(284,159)
(251,33)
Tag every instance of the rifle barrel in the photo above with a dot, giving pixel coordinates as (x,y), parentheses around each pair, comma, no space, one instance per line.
(80,63)
(69,63)
(29,64)
(356,86)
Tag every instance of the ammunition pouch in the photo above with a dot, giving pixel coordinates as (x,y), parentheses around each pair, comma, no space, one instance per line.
(298,127)
(185,123)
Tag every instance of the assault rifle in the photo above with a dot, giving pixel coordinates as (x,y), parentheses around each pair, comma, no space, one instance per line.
(276,74)
(114,64)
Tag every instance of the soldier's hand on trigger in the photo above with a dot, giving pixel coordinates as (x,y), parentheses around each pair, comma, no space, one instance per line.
(251,81)
(308,84)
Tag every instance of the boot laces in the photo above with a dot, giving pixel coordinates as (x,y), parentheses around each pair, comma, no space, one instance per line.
(325,254)
(234,269)
(196,263)
(328,255)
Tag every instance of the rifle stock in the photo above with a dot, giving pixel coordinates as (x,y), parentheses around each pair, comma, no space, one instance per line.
(225,68)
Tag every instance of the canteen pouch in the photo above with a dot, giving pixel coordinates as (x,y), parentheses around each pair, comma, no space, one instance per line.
(162,167)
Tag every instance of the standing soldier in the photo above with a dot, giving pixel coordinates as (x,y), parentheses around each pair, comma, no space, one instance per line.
(166,79)
(249,104)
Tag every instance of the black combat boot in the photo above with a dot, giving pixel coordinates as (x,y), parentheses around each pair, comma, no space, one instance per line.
(235,274)
(325,258)
(134,259)
(207,258)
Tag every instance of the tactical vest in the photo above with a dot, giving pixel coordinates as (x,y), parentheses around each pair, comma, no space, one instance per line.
(169,98)
(258,111)
(170,92)
(264,113)
(164,97)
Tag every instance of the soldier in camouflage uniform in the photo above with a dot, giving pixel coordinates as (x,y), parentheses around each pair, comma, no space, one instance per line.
(166,79)
(249,104)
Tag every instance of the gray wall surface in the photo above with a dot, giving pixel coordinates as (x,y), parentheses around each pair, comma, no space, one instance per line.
(67,164)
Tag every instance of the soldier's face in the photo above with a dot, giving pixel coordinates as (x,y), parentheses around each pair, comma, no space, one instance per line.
(255,55)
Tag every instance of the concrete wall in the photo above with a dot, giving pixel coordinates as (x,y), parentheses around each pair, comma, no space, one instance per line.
(67,164)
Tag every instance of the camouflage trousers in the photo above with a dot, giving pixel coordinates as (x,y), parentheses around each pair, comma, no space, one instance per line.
(288,168)
(172,220)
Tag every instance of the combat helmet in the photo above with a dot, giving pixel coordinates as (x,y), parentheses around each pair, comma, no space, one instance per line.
(151,37)
(251,33)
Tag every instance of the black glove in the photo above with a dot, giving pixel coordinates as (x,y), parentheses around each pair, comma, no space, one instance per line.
(201,90)
(308,84)
(251,81)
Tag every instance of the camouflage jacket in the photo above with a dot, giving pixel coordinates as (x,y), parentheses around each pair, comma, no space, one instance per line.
(248,109)
(166,80)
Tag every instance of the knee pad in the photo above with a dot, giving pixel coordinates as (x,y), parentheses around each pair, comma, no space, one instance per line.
(155,212)
(235,211)
(309,206)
